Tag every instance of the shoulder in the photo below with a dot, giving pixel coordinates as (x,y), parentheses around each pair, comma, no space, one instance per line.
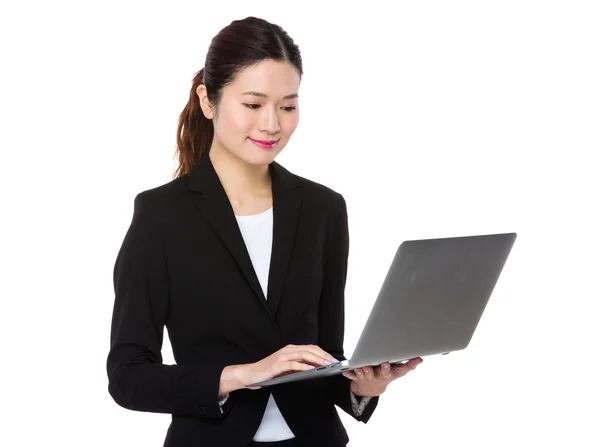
(157,201)
(163,198)
(318,194)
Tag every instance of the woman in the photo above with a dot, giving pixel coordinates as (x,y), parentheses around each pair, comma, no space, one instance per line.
(244,263)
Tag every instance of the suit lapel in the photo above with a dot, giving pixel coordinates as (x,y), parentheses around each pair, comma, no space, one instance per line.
(286,211)
(212,201)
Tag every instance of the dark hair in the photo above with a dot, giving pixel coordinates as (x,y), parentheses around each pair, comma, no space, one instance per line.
(239,45)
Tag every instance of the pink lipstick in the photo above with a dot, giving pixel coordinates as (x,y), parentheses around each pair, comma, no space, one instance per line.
(265,144)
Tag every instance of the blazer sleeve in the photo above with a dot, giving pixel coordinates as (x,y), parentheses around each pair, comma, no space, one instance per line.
(331,314)
(137,378)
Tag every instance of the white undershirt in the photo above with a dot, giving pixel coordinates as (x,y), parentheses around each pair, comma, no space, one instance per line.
(257,231)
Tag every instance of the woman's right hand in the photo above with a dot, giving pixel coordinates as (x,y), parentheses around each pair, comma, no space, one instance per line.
(290,359)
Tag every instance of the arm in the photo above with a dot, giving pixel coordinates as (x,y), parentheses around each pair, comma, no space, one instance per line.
(138,380)
(331,317)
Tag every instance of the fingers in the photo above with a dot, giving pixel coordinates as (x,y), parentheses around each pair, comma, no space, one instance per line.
(305,356)
(368,373)
(350,375)
(287,360)
(289,367)
(358,374)
(328,358)
(385,371)
(405,368)
(294,358)
(324,357)
(364,374)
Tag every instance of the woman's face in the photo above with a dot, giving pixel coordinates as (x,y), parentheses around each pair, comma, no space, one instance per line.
(260,105)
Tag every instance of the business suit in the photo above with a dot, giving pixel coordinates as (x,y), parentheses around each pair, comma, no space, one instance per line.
(183,264)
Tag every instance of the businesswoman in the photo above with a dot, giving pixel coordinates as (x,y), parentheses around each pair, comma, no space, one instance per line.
(245,265)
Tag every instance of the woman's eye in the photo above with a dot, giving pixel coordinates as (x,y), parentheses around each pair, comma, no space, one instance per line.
(256,106)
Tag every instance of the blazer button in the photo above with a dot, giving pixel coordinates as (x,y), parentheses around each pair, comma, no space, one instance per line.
(202,410)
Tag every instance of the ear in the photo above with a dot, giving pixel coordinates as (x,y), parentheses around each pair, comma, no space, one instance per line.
(205,105)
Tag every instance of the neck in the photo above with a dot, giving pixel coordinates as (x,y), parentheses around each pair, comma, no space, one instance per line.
(239,179)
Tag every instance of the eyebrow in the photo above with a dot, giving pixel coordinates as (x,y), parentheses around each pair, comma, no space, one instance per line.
(262,95)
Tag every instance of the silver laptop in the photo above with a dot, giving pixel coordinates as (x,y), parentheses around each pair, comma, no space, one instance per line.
(431,301)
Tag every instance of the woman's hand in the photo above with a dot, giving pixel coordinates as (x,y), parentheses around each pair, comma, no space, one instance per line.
(287,360)
(373,381)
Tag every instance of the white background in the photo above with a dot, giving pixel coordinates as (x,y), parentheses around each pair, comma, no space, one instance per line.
(431,118)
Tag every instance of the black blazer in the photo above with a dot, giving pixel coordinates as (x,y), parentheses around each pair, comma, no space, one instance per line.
(183,265)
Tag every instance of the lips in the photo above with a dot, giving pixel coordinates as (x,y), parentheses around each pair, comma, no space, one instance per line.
(264,144)
(264,141)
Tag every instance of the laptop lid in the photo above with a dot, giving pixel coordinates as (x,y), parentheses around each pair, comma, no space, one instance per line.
(433,297)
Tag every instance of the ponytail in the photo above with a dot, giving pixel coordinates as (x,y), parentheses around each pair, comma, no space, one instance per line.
(194,131)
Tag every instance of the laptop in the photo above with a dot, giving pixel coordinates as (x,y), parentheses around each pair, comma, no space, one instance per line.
(430,302)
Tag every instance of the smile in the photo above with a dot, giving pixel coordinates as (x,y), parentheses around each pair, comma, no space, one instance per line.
(265,144)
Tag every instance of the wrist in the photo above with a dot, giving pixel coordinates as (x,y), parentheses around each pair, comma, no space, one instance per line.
(232,379)
(354,390)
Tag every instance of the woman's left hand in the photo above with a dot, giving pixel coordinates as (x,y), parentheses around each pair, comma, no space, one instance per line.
(373,381)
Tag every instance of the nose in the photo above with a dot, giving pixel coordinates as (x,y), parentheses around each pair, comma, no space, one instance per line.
(269,121)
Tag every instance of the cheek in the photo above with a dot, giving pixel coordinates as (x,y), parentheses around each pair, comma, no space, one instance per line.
(289,124)
(242,122)
(235,121)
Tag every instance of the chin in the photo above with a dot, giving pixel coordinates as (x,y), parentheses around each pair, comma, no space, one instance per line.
(254,155)
(264,158)
(262,161)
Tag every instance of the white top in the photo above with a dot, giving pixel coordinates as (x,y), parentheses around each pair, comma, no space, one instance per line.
(257,231)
